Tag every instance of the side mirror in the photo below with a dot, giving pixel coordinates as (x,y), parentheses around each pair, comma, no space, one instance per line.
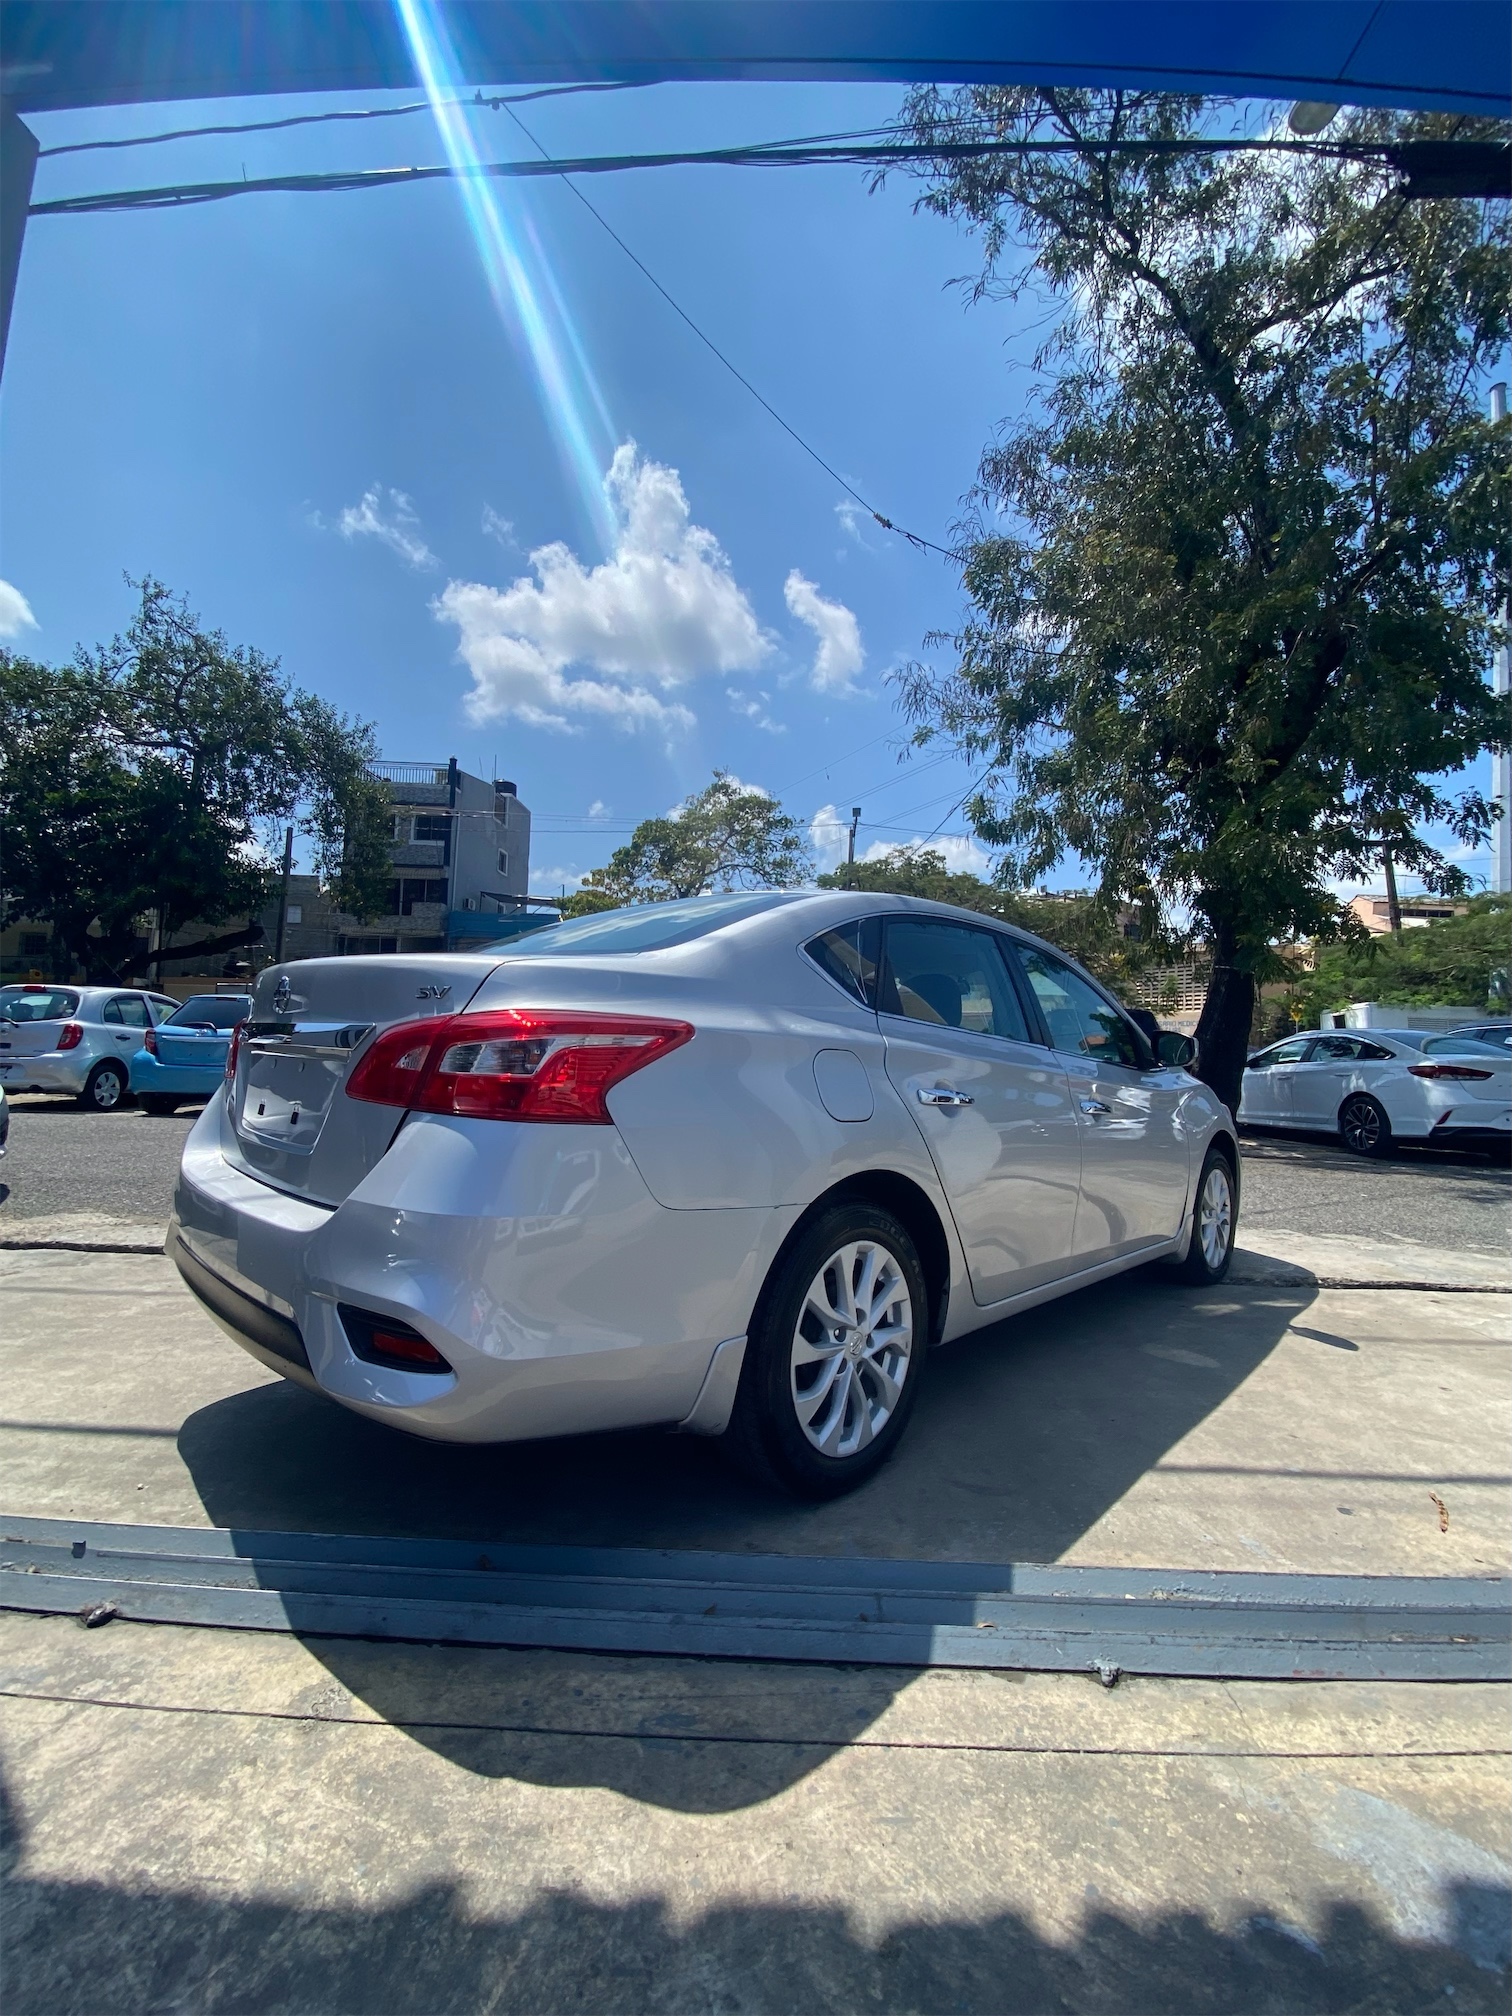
(1175,1049)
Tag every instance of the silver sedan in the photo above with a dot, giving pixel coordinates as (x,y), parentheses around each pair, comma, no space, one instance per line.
(732,1164)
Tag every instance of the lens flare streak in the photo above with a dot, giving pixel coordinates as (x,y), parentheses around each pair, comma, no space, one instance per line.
(519,277)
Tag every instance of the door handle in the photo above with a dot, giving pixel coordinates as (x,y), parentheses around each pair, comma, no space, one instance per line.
(1095,1106)
(942,1095)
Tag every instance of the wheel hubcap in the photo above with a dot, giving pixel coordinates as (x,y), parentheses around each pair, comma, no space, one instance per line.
(107,1089)
(1215,1216)
(852,1348)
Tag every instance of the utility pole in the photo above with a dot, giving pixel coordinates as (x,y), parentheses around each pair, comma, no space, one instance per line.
(283,894)
(850,859)
(1501,761)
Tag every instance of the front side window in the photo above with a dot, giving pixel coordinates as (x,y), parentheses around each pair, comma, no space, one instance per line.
(1080,1021)
(951,975)
(849,956)
(1291,1052)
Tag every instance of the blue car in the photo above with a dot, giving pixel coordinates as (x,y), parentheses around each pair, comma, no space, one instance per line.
(185,1057)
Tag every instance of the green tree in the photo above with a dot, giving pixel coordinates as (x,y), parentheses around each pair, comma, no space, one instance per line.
(1454,963)
(153,772)
(1078,922)
(727,836)
(1229,569)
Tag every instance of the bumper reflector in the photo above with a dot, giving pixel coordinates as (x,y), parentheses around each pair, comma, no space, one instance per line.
(383,1340)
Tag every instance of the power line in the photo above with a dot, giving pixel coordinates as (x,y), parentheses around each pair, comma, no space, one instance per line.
(914,539)
(321,119)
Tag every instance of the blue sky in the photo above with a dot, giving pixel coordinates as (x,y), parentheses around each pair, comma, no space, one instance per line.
(309,414)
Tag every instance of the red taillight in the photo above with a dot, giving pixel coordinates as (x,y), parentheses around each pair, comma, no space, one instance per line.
(1446,1071)
(71,1035)
(149,1043)
(512,1063)
(233,1051)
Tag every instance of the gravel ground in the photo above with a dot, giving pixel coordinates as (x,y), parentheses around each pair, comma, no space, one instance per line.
(122,1165)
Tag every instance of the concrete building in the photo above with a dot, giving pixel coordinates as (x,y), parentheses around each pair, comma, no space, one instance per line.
(1374,912)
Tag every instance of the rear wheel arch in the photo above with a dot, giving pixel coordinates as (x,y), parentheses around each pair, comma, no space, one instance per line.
(914,1211)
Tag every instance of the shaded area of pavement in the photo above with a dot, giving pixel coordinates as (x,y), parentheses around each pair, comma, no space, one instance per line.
(1134,1424)
(228,1822)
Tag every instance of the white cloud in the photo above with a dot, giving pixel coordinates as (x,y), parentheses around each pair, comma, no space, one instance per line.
(829,836)
(661,610)
(393,521)
(551,881)
(852,518)
(15,612)
(839,657)
(501,529)
(754,709)
(598,809)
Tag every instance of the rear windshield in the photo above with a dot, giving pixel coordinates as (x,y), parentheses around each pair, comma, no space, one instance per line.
(51,1004)
(221,1011)
(647,927)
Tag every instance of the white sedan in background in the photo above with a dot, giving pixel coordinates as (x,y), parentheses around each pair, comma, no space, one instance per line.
(1382,1085)
(732,1164)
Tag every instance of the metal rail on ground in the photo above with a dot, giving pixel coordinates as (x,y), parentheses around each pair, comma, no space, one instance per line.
(1200,1624)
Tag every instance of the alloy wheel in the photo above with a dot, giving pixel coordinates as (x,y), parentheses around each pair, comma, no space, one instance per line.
(1215,1215)
(852,1348)
(1360,1124)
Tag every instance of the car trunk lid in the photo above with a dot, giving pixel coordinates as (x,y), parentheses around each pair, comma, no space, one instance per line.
(310,1021)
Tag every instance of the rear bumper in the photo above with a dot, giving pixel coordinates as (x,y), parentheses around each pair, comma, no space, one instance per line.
(49,1071)
(149,1074)
(563,1297)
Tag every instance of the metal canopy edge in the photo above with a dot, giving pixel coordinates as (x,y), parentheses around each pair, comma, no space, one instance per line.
(1201,1624)
(1453,55)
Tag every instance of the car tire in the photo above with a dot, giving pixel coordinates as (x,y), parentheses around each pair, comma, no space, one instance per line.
(160,1103)
(1363,1126)
(1215,1216)
(806,1416)
(105,1089)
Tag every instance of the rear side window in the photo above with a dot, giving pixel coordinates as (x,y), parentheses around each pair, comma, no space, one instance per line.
(55,1004)
(951,975)
(129,1009)
(849,956)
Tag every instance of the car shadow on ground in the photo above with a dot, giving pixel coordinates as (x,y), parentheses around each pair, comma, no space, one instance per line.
(1026,1433)
(80,1945)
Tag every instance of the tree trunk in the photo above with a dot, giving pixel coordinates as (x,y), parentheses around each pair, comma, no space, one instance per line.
(1223,1029)
(1393,902)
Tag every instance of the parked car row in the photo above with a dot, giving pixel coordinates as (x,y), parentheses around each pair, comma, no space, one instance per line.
(1373,1087)
(105,1044)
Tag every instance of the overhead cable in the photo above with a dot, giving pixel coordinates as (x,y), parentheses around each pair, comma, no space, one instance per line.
(914,539)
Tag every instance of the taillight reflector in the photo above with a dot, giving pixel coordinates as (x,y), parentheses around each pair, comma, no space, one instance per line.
(70,1036)
(1446,1071)
(512,1063)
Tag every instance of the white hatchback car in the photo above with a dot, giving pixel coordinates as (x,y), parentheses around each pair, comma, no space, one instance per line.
(1380,1086)
(75,1039)
(731,1164)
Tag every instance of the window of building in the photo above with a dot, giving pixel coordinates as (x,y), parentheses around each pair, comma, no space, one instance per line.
(405,891)
(33,941)
(402,823)
(432,825)
(347,948)
(503,862)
